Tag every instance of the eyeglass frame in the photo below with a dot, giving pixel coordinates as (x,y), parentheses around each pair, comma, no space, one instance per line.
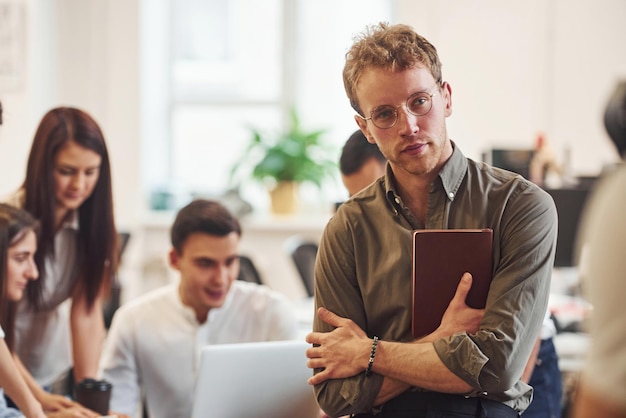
(395,109)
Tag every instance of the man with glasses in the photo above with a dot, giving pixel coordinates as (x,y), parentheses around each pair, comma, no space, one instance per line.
(366,361)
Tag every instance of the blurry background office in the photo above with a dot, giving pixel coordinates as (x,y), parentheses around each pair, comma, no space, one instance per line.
(176,85)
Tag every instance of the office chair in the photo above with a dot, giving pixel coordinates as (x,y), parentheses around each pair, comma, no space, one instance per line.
(248,271)
(303,253)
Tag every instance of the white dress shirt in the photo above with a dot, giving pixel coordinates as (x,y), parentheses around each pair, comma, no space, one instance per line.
(152,349)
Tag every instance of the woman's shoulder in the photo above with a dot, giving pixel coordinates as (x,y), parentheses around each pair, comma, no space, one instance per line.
(14,199)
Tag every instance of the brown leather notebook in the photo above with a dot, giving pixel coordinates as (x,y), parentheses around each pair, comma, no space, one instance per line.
(440,257)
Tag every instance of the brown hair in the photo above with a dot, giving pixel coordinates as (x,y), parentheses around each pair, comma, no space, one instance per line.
(205,216)
(395,47)
(97,236)
(14,224)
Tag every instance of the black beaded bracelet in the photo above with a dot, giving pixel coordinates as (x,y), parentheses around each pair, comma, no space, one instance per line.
(368,371)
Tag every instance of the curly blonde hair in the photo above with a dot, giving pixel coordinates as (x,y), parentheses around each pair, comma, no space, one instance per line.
(391,47)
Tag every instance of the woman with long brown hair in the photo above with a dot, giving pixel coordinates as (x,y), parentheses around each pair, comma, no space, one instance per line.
(68,190)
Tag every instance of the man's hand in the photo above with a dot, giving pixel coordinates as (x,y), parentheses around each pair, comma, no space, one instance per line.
(458,317)
(343,352)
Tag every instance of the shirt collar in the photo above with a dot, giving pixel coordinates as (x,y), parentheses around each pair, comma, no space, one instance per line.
(71,222)
(214,313)
(453,172)
(451,176)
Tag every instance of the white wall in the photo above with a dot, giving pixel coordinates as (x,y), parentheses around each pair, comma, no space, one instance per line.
(515,68)
(85,54)
(24,104)
(520,67)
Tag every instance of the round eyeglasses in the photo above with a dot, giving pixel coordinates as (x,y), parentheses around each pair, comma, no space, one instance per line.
(386,116)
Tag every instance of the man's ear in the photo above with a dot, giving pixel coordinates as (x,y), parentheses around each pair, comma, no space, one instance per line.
(363,127)
(174,258)
(446,92)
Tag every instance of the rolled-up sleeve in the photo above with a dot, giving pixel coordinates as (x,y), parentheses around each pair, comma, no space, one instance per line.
(492,360)
(336,289)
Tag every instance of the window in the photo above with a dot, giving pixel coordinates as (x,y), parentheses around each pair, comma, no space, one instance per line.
(214,68)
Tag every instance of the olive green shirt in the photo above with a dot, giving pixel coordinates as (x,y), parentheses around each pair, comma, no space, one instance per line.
(363,272)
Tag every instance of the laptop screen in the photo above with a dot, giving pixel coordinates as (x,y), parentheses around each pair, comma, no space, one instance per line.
(263,380)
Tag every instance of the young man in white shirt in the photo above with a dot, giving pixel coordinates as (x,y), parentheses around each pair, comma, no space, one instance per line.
(152,350)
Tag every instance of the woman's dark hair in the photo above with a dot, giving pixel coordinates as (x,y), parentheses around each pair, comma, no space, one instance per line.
(97,237)
(14,224)
(206,216)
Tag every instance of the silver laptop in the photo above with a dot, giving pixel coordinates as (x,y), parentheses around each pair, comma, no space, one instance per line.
(262,380)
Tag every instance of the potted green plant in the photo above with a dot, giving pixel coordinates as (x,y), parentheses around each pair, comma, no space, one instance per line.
(284,160)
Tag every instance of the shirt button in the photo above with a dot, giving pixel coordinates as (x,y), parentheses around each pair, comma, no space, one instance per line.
(451,195)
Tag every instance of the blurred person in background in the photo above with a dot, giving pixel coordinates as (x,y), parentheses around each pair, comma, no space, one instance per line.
(361,163)
(602,388)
